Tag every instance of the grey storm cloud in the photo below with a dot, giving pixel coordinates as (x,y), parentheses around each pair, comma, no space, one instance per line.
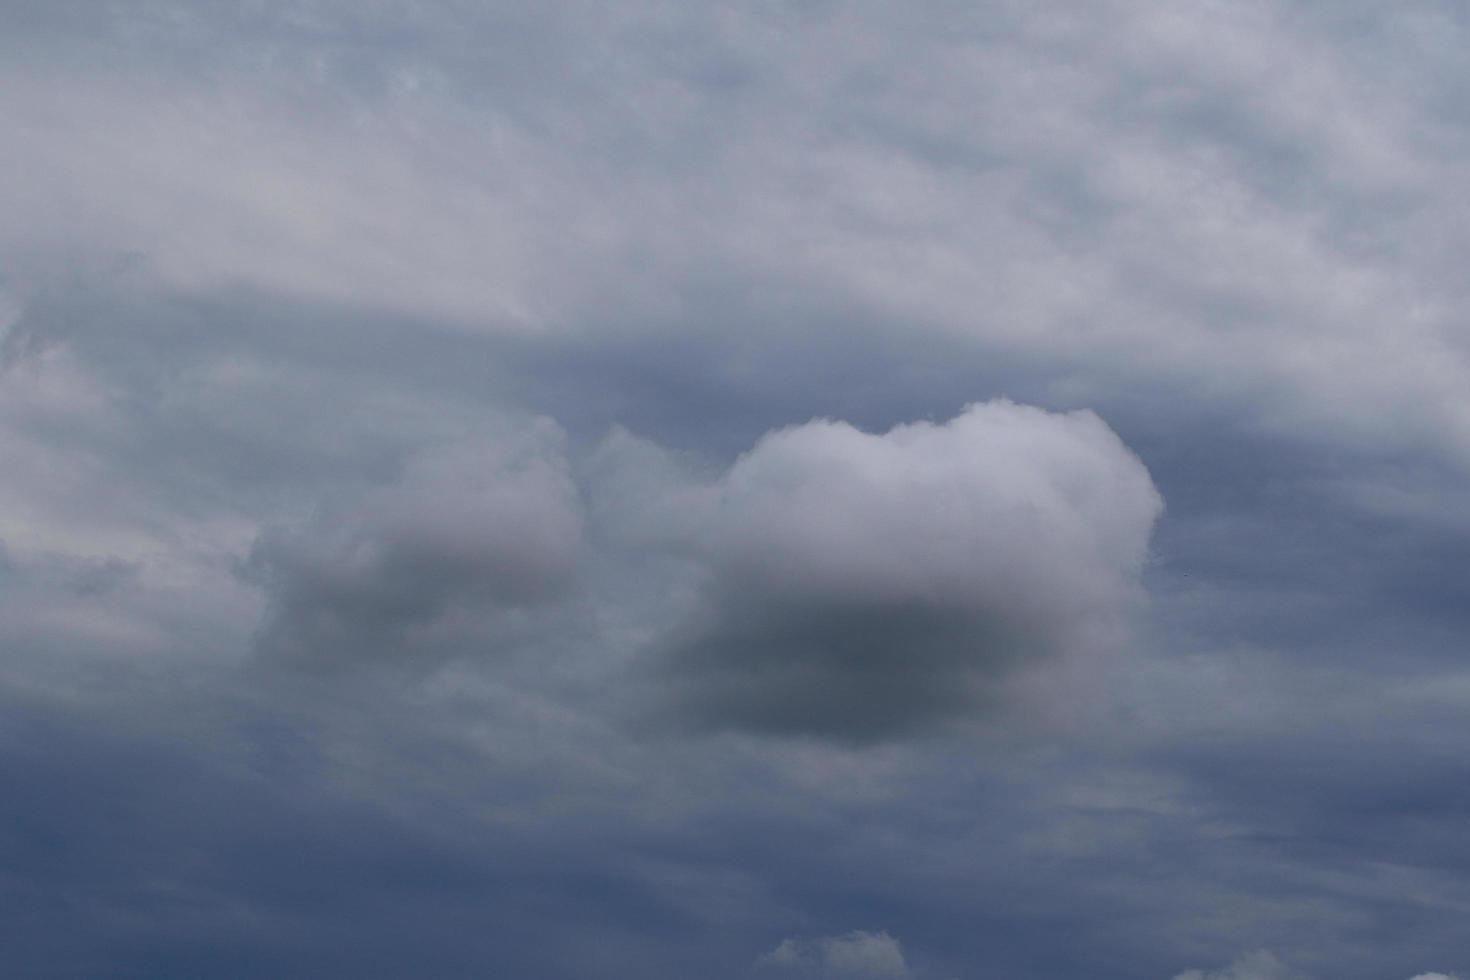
(283,285)
(493,527)
(860,585)
(846,583)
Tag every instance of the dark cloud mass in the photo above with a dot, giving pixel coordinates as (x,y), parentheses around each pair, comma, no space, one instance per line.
(491,527)
(784,489)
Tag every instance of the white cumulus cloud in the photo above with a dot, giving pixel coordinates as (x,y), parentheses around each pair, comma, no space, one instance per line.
(860,584)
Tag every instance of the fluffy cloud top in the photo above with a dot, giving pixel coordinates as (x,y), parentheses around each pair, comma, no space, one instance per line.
(1262,964)
(1258,965)
(1003,508)
(859,585)
(863,955)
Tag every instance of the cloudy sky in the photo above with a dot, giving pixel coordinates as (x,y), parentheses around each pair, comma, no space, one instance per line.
(753,491)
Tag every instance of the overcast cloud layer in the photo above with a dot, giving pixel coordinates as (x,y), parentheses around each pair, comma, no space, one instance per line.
(787,489)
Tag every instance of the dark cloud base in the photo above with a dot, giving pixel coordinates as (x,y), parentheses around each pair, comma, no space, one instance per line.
(856,672)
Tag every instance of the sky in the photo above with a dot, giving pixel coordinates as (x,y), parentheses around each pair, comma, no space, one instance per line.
(782,490)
